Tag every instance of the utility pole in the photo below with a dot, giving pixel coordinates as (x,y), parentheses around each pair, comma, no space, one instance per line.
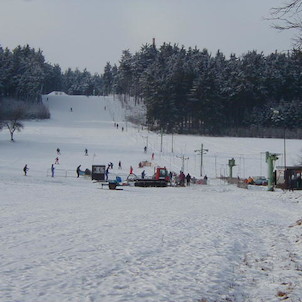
(161,139)
(183,158)
(279,117)
(201,151)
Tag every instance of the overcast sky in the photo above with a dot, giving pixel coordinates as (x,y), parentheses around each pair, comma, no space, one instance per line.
(88,33)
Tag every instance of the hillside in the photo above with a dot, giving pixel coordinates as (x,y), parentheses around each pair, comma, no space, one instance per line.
(68,239)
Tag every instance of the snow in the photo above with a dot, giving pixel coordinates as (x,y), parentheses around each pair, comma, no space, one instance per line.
(68,239)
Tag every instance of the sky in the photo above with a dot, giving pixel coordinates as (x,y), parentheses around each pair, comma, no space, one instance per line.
(89,33)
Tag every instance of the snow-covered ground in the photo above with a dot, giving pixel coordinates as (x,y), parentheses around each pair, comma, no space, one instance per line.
(67,239)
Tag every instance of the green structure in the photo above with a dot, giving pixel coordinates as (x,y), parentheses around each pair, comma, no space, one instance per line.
(270,159)
(231,165)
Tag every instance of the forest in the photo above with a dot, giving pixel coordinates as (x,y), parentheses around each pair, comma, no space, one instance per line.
(184,90)
(193,91)
(25,75)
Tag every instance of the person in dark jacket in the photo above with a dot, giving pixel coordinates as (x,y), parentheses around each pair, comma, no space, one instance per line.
(52,170)
(78,171)
(107,173)
(188,178)
(25,169)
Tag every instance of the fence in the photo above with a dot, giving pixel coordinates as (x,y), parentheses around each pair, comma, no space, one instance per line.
(62,173)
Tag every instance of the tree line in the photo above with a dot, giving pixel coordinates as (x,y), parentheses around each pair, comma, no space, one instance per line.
(184,90)
(25,75)
(193,91)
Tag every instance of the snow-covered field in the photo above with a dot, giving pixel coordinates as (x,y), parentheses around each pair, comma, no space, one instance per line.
(67,239)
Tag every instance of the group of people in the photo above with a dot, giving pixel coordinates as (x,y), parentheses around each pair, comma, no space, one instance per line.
(182,179)
(145,151)
(110,166)
(56,162)
(116,125)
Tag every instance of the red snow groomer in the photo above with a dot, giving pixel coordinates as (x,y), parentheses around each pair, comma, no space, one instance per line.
(160,179)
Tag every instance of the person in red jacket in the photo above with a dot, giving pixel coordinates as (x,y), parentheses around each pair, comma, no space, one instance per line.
(182,179)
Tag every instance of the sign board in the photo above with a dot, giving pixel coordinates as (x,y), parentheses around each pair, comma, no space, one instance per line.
(98,172)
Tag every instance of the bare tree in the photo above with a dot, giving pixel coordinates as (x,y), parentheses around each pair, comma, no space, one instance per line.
(288,17)
(13,121)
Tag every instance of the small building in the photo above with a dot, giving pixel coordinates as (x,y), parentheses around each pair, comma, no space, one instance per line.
(98,172)
(57,93)
(289,178)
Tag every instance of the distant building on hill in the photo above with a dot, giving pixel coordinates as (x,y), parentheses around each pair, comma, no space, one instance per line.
(57,93)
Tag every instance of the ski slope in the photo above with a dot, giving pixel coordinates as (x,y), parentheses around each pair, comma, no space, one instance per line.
(68,239)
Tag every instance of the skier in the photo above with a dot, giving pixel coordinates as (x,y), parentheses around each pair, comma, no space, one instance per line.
(25,169)
(131,170)
(152,156)
(120,165)
(86,152)
(57,161)
(52,170)
(58,151)
(170,177)
(106,173)
(188,178)
(143,174)
(78,171)
(145,149)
